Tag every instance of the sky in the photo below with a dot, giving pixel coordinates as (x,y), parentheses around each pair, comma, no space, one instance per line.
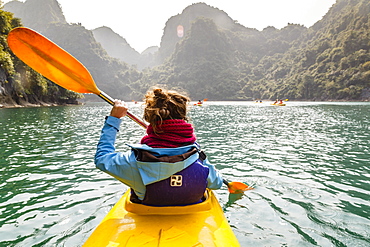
(141,22)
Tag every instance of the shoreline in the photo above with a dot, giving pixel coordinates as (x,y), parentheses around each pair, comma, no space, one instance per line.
(43,104)
(29,105)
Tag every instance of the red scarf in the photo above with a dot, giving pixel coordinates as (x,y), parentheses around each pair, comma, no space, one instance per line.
(171,134)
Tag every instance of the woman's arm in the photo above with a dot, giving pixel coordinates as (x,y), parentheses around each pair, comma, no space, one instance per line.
(214,179)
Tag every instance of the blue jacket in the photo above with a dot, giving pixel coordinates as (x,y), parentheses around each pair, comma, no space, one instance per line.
(137,174)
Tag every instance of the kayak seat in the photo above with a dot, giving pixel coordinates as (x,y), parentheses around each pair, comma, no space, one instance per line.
(142,209)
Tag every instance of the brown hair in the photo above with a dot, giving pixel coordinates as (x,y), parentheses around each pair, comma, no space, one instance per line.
(162,104)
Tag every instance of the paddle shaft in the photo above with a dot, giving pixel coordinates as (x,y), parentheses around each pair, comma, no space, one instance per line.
(110,100)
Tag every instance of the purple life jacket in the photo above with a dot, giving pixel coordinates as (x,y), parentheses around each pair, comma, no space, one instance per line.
(182,188)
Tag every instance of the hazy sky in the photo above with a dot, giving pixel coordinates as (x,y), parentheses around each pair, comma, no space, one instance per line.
(141,22)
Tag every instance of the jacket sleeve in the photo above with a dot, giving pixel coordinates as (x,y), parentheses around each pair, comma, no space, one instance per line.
(214,179)
(118,165)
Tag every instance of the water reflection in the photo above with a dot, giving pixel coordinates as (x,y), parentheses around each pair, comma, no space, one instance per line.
(232,199)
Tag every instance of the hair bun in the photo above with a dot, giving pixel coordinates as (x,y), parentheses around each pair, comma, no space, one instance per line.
(159,93)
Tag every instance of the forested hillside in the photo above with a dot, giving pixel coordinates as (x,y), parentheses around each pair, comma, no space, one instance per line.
(217,58)
(329,61)
(115,45)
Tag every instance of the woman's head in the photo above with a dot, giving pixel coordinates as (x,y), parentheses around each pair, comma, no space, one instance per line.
(162,104)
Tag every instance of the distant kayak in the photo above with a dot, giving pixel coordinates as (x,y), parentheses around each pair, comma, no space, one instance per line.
(200,102)
(278,104)
(132,224)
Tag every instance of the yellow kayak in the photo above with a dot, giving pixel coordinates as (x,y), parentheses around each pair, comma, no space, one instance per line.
(278,104)
(132,224)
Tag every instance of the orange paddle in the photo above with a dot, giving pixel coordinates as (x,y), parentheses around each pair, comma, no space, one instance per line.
(56,64)
(237,187)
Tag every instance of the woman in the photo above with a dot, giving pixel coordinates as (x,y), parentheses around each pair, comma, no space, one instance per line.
(167,167)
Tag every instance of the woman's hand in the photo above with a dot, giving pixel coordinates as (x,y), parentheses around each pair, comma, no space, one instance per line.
(119,109)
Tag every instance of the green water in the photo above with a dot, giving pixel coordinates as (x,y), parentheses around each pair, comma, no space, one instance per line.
(308,162)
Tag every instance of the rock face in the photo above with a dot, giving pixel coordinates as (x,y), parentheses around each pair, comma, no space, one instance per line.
(37,14)
(115,45)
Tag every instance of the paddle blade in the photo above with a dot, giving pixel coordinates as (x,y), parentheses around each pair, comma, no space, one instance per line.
(51,61)
(238,187)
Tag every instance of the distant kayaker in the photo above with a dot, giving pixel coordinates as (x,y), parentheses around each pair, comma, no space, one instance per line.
(200,102)
(167,167)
